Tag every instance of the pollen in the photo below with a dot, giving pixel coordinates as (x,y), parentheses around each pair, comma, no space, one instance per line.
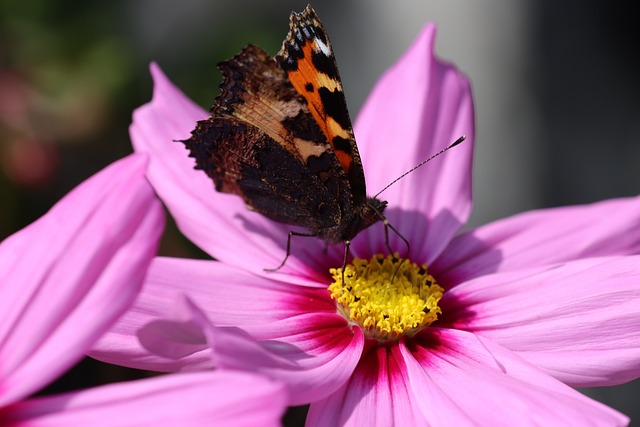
(388,297)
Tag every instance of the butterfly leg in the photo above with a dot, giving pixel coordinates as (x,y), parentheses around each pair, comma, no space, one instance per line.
(387,226)
(347,244)
(286,257)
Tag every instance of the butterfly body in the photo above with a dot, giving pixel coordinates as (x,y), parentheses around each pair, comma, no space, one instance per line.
(280,137)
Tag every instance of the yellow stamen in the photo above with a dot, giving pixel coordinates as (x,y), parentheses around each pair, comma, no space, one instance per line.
(387,296)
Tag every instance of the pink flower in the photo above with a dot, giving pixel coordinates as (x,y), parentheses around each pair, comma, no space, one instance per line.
(64,280)
(533,304)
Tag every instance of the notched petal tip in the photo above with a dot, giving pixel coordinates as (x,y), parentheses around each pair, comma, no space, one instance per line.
(161,83)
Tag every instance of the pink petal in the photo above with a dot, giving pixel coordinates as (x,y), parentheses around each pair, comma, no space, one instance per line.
(69,275)
(459,379)
(577,321)
(448,377)
(543,237)
(218,223)
(203,399)
(296,324)
(418,107)
(376,395)
(189,330)
(312,368)
(229,296)
(325,348)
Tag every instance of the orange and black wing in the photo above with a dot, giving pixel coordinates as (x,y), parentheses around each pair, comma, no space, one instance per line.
(307,58)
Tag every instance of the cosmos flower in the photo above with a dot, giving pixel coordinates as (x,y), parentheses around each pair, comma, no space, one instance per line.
(64,280)
(492,326)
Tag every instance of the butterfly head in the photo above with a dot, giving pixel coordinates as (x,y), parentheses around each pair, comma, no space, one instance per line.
(364,216)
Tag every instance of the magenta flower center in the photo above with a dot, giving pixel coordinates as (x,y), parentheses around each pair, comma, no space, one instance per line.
(386,296)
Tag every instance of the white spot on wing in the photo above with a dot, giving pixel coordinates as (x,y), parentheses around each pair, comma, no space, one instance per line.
(323,47)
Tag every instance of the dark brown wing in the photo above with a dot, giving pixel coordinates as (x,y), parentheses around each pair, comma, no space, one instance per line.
(307,57)
(263,144)
(241,159)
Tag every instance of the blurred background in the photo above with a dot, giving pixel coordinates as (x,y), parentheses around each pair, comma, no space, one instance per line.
(556,85)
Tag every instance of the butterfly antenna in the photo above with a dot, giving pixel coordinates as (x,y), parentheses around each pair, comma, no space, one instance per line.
(458,141)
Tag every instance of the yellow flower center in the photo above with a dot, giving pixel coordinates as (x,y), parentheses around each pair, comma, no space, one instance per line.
(386,296)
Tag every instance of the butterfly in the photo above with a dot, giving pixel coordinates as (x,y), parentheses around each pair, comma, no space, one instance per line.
(280,137)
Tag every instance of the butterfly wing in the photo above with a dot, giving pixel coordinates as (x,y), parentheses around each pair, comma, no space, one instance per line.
(307,58)
(243,160)
(262,143)
(255,90)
